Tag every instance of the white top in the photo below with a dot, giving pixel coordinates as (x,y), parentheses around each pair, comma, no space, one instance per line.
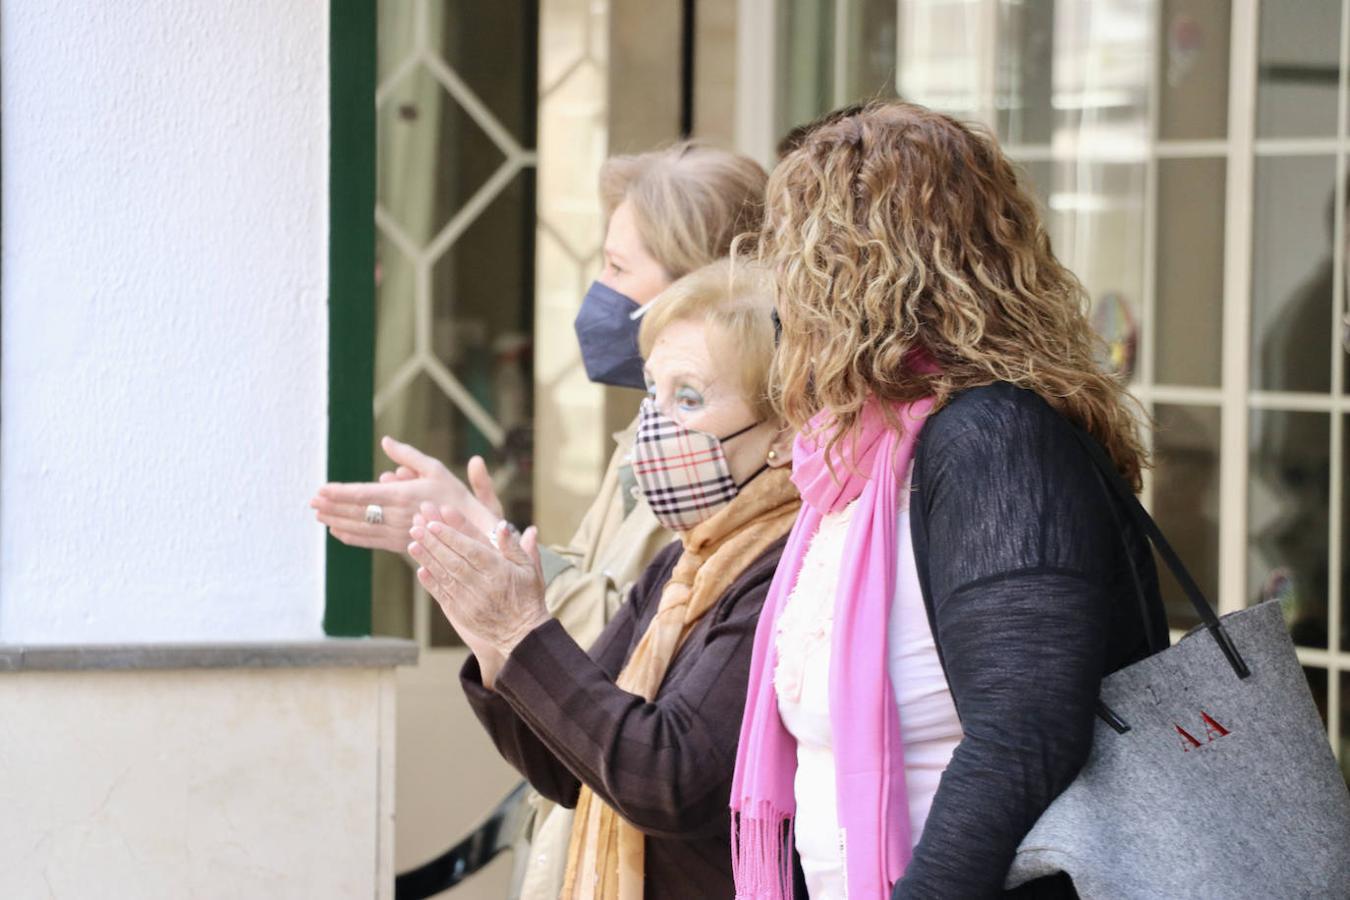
(928,725)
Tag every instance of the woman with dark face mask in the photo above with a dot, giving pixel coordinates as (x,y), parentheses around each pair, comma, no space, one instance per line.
(668,213)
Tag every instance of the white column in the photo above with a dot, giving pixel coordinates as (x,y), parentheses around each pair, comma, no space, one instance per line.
(164,294)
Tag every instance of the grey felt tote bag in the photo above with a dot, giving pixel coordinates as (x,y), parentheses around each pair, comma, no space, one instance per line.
(1210,774)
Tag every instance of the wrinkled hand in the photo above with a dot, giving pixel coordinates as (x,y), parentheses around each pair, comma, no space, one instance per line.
(419,478)
(492,597)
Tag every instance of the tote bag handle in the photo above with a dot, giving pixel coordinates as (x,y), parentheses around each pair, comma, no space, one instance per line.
(1116,485)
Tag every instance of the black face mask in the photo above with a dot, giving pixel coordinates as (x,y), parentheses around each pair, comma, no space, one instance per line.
(608,335)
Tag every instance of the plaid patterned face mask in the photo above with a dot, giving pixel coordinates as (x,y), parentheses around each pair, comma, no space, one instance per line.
(683,473)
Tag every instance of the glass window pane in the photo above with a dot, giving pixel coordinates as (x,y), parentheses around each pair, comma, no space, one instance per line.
(805,61)
(1096,226)
(395,285)
(1036,177)
(1299,68)
(939,50)
(1292,273)
(1317,684)
(1189,296)
(1344,504)
(1185,492)
(870,68)
(482,318)
(396,34)
(475,43)
(1022,105)
(431,156)
(1193,75)
(1287,517)
(1102,70)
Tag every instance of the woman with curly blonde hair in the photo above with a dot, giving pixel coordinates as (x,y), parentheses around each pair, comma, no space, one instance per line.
(957,585)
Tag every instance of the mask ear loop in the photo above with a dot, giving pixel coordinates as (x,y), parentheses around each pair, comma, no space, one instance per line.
(758,472)
(736,434)
(645,308)
(777,340)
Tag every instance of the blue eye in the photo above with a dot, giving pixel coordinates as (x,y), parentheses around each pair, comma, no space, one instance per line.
(688,399)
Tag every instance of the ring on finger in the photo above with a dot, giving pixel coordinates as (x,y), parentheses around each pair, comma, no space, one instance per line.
(502,527)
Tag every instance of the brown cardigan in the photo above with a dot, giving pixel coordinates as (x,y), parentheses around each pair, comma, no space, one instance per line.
(666,766)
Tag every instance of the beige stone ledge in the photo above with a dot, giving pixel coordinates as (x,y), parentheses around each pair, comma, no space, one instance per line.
(369,653)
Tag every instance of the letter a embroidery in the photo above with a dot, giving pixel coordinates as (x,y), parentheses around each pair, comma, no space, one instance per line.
(1188,742)
(1213,728)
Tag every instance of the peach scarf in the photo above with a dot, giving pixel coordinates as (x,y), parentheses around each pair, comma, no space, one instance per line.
(606,857)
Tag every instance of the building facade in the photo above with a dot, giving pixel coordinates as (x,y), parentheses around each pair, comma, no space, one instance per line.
(1189,157)
(240,243)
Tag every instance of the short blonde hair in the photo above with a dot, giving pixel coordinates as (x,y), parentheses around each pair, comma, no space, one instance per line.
(689,201)
(735,302)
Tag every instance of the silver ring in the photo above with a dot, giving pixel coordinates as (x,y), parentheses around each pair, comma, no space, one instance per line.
(502,527)
(374,514)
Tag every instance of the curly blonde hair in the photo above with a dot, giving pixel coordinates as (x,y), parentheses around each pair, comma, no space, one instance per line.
(899,229)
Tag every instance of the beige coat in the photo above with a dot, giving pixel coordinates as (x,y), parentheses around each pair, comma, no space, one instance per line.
(587,580)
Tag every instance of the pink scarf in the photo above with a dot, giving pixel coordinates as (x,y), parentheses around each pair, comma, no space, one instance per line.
(869,758)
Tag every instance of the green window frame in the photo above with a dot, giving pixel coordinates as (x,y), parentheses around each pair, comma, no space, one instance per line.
(351,295)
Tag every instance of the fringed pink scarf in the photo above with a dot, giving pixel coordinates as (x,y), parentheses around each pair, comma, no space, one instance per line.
(869,758)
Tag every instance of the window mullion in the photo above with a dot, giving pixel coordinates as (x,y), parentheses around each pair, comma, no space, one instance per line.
(1233,466)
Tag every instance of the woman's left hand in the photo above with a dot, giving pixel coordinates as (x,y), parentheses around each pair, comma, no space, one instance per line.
(492,597)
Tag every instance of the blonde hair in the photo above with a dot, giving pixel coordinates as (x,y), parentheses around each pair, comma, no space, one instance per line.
(735,303)
(899,229)
(689,201)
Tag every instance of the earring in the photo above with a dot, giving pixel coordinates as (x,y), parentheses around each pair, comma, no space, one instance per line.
(773,454)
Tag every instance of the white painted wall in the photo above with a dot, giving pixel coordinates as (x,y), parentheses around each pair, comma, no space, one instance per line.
(163,381)
(218,783)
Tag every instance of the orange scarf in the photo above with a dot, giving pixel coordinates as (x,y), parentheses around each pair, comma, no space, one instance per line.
(606,857)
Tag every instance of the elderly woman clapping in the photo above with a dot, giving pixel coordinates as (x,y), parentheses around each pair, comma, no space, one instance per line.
(641,733)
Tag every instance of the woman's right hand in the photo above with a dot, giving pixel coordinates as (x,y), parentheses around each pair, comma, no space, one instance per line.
(490,586)
(418,479)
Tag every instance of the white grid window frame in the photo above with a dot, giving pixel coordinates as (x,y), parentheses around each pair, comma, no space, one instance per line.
(1241,150)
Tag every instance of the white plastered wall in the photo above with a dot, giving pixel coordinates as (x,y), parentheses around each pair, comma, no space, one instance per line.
(163,276)
(233,783)
(163,280)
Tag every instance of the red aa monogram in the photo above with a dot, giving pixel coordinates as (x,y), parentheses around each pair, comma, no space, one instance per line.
(1213,731)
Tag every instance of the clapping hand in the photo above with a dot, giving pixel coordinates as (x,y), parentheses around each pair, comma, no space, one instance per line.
(492,595)
(377,515)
